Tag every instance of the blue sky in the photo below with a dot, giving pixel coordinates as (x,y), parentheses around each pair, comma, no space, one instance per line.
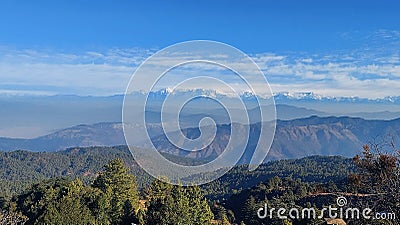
(328,47)
(253,26)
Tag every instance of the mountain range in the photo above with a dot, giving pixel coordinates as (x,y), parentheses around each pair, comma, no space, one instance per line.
(293,138)
(278,97)
(29,116)
(297,138)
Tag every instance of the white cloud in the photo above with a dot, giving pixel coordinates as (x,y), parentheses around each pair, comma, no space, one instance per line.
(371,73)
(85,79)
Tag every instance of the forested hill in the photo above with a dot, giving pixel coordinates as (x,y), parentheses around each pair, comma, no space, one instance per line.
(19,169)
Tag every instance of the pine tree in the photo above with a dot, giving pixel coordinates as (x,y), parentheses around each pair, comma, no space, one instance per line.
(119,187)
(249,211)
(70,208)
(176,205)
(199,209)
(159,189)
(57,201)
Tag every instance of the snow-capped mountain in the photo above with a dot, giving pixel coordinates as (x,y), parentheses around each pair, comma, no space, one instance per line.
(280,97)
(310,96)
(164,92)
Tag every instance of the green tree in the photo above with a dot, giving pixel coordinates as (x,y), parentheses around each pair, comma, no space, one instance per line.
(35,200)
(249,211)
(176,205)
(274,183)
(199,209)
(70,208)
(158,189)
(56,201)
(121,196)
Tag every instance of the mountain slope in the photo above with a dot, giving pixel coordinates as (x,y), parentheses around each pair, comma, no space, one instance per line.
(293,139)
(298,138)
